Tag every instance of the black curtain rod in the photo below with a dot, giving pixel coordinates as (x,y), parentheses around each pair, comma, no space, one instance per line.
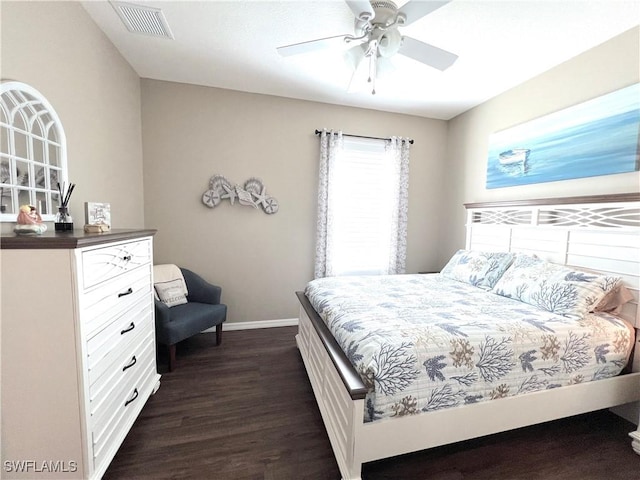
(318,132)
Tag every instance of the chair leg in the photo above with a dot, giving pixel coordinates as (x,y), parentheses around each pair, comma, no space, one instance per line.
(218,334)
(172,357)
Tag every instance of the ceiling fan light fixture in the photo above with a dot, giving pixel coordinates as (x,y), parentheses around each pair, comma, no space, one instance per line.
(389,43)
(354,56)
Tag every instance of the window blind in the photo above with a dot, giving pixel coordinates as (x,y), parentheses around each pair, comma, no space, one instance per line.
(363,203)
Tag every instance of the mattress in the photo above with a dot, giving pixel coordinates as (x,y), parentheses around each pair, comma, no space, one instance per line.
(425,342)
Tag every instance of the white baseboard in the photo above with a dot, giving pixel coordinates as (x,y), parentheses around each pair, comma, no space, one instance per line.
(284,322)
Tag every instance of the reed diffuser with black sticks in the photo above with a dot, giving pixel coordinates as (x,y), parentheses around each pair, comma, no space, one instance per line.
(64,222)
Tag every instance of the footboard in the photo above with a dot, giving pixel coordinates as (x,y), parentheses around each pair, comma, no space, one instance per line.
(338,390)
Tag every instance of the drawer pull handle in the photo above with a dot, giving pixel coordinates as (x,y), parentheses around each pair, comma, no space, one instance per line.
(128,329)
(133,362)
(124,294)
(127,258)
(135,395)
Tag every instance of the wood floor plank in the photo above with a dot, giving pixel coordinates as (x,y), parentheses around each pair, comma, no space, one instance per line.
(245,410)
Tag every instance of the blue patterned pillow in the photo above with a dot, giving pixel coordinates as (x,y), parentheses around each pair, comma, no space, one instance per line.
(481,269)
(555,288)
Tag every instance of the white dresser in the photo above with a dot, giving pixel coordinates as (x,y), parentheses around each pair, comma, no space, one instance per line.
(78,349)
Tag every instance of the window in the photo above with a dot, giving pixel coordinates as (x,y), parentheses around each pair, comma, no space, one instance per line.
(32,152)
(363,191)
(362,228)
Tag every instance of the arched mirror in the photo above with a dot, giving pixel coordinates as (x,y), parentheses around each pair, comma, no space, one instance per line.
(33,152)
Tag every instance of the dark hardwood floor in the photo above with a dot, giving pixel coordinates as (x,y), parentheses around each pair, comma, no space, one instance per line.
(245,410)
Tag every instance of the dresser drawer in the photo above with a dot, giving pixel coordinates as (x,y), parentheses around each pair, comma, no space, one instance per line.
(109,422)
(103,446)
(101,264)
(103,348)
(118,378)
(103,305)
(104,374)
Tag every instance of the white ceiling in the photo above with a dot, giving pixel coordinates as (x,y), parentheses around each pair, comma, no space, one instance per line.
(232,44)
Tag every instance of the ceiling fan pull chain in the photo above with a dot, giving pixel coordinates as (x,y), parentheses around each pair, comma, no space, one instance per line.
(374,73)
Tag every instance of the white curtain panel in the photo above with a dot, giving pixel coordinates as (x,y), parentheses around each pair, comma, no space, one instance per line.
(330,144)
(327,262)
(400,148)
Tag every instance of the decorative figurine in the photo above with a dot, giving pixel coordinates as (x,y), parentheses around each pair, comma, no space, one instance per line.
(29,221)
(254,194)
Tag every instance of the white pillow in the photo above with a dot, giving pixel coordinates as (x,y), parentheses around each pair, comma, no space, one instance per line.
(171,293)
(480,269)
(555,288)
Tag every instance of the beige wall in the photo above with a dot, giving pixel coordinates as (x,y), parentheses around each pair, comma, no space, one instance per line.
(606,68)
(56,48)
(191,133)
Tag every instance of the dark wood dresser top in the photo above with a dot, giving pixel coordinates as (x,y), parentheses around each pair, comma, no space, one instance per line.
(64,240)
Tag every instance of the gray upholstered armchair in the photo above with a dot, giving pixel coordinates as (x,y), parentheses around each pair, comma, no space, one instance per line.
(203,310)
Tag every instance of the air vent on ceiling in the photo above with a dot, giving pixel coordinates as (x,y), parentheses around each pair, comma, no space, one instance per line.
(143,19)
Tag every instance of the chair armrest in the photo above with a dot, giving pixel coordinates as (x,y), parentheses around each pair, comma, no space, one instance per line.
(163,316)
(200,290)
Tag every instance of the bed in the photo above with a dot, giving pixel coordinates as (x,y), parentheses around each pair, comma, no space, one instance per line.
(369,415)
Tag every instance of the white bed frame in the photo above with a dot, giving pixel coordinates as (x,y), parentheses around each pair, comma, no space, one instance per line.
(600,233)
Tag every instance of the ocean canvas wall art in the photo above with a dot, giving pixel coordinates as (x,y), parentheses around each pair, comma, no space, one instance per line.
(597,137)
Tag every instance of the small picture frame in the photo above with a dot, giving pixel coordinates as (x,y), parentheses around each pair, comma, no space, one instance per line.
(96,213)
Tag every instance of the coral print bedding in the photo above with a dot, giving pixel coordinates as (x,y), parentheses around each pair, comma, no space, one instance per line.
(428,342)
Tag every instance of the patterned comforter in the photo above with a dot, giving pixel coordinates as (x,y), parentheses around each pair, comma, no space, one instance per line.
(425,342)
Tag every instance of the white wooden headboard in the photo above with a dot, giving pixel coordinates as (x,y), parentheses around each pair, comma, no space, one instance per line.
(600,233)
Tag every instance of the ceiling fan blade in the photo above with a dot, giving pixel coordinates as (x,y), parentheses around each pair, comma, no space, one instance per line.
(415,10)
(361,9)
(313,45)
(428,54)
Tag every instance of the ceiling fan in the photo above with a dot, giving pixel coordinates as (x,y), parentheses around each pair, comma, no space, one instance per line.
(377,36)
